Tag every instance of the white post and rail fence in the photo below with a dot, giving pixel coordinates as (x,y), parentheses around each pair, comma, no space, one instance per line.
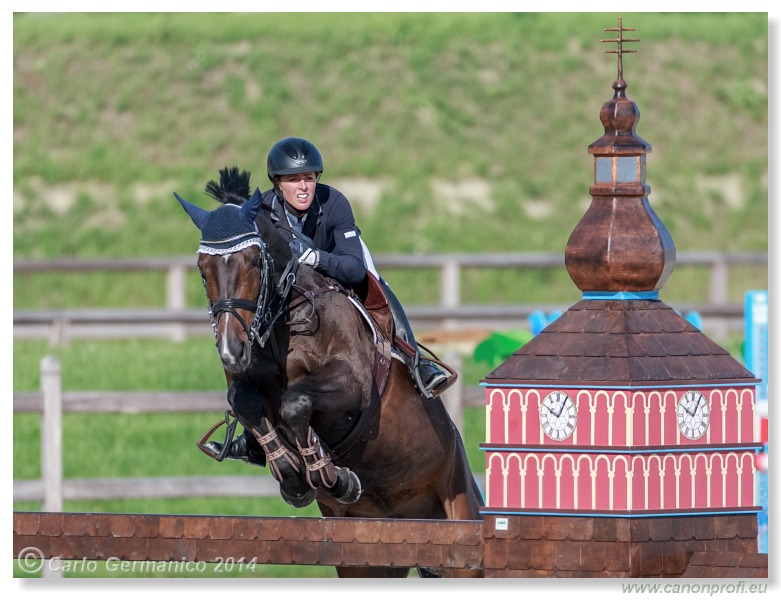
(177,321)
(52,402)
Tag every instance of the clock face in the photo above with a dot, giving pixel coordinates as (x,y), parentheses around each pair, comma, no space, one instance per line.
(558,416)
(693,415)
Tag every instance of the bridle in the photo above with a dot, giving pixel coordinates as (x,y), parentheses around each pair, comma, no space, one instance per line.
(271,302)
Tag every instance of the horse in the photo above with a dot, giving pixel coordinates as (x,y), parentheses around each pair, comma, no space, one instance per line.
(317,384)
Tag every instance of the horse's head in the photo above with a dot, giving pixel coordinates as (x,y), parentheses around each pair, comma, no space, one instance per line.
(236,270)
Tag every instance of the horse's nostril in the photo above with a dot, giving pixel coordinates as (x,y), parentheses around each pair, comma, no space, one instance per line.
(234,353)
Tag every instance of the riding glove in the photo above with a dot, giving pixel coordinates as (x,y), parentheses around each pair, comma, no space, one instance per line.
(309,257)
(299,245)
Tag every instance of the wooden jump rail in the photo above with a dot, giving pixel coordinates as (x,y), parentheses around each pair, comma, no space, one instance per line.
(510,546)
(321,541)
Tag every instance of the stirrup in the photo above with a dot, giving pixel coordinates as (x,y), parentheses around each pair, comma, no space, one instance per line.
(436,380)
(438,384)
(204,444)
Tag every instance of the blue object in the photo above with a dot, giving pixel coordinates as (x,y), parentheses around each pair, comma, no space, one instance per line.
(539,321)
(695,319)
(755,316)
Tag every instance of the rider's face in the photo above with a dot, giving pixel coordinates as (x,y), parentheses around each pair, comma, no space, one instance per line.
(298,190)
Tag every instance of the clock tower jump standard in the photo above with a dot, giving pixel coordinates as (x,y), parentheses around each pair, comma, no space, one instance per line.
(621,439)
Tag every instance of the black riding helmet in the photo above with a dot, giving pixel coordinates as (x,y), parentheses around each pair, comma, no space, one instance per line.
(293,155)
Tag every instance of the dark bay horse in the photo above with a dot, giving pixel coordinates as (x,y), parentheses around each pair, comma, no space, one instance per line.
(336,414)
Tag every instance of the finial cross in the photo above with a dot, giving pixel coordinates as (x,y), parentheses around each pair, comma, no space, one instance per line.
(620,40)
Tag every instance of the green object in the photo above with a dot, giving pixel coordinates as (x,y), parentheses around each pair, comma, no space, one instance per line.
(500,345)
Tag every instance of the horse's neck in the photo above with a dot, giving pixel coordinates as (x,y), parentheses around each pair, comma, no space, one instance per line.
(278,246)
(310,279)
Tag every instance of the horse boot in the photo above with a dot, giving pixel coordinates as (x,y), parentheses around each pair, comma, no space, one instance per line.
(340,482)
(317,460)
(426,374)
(281,457)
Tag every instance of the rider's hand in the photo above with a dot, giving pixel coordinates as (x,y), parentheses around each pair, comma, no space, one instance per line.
(309,257)
(300,245)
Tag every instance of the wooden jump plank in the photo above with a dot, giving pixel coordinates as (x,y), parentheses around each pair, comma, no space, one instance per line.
(322,541)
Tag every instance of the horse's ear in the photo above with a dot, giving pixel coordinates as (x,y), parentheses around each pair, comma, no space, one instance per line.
(197,214)
(251,207)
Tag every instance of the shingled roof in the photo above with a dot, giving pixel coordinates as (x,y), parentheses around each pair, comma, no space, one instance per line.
(738,565)
(620,342)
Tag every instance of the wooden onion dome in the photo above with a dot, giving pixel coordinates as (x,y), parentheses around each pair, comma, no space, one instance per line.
(620,245)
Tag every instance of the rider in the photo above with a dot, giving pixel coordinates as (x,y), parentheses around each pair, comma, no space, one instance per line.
(318,220)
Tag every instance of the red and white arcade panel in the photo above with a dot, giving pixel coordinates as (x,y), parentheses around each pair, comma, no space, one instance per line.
(620,450)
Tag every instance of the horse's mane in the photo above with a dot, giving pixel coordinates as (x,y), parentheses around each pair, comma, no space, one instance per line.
(233,187)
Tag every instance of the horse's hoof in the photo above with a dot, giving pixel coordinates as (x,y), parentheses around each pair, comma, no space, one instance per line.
(299,501)
(349,482)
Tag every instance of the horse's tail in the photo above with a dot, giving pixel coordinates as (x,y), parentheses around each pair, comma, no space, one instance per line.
(233,187)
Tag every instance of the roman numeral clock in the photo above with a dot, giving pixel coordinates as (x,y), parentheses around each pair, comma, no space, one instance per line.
(558,415)
(693,413)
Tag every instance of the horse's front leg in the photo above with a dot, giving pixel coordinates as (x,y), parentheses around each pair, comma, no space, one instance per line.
(330,389)
(251,411)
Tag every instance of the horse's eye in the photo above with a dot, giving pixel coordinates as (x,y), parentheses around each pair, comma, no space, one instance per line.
(256,261)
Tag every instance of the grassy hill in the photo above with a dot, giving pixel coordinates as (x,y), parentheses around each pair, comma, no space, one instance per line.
(448,131)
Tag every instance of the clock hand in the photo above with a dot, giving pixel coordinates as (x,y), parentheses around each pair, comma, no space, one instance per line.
(561,408)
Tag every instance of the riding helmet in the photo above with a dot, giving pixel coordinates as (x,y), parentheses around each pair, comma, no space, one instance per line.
(293,155)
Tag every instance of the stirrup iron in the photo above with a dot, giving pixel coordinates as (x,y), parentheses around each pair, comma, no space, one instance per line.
(229,435)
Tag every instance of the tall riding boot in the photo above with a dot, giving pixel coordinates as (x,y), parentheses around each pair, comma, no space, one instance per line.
(426,374)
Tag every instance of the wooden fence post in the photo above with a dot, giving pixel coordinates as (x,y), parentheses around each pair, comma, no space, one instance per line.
(450,292)
(51,445)
(718,292)
(452,398)
(176,283)
(51,434)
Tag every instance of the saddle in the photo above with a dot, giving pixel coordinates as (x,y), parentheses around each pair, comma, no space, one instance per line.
(373,304)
